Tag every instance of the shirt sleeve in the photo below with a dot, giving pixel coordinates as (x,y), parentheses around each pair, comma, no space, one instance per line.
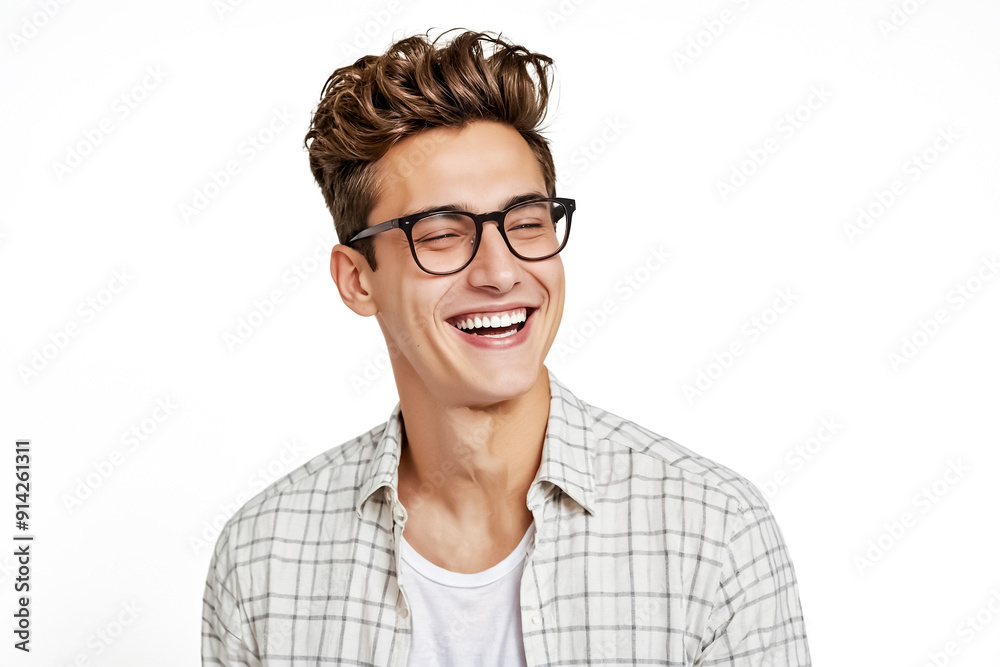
(757,617)
(222,629)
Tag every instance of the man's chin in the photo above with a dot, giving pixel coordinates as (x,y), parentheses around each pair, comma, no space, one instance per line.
(500,386)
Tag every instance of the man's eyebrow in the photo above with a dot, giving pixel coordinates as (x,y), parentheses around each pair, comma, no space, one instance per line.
(516,199)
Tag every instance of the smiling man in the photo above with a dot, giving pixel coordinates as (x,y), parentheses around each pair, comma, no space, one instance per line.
(494,518)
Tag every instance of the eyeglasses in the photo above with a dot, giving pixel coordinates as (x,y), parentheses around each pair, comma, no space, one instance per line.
(445,242)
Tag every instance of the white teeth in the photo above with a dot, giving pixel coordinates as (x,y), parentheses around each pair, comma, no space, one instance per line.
(503,335)
(494,322)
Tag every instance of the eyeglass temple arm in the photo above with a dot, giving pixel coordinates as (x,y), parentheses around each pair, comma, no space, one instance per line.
(372,231)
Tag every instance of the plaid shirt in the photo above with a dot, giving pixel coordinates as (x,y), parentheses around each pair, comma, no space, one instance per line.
(643,553)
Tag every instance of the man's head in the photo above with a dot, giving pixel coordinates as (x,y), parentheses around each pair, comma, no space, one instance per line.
(422,129)
(417,85)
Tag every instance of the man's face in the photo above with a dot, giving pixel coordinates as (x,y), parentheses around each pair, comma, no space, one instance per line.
(478,169)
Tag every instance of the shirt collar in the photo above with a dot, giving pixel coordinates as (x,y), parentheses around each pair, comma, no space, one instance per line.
(567,454)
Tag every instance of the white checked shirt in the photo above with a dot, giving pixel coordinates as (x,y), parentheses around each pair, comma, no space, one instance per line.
(644,553)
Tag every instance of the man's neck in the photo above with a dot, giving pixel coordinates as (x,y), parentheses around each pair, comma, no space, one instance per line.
(473,465)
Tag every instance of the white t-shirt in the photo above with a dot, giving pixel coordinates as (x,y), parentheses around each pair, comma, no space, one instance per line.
(465,619)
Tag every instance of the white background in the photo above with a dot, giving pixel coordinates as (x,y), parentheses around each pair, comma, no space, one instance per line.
(660,135)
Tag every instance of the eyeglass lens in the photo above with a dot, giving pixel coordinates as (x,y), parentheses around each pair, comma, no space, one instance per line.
(444,241)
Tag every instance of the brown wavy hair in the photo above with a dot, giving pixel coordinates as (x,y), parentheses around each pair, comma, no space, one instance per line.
(367,107)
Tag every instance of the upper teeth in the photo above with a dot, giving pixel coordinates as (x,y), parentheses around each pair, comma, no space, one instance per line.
(493,320)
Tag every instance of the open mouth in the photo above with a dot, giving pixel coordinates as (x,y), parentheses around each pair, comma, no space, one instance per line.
(492,325)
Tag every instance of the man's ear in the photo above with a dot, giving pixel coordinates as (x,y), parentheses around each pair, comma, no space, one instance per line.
(353,277)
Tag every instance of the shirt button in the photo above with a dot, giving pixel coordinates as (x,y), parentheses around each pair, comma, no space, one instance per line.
(536,619)
(403,612)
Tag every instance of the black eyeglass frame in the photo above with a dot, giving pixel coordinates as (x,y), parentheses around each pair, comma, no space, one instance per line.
(406,224)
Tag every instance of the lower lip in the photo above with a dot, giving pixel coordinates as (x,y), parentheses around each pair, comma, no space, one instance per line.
(498,343)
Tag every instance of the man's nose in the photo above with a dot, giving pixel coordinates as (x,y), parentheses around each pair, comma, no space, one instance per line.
(494,265)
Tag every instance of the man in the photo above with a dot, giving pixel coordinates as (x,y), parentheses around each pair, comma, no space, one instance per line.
(495,518)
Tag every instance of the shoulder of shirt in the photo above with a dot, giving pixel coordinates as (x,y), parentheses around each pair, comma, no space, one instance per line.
(336,468)
(672,458)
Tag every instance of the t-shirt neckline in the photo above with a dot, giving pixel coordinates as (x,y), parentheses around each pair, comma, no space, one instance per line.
(445,577)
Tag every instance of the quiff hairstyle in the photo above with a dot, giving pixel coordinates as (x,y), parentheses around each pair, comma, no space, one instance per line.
(367,107)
